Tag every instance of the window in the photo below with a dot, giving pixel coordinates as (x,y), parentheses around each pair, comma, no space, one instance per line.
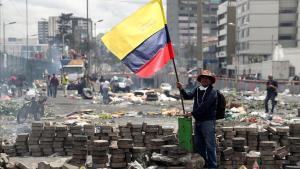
(248,33)
(286,24)
(288,10)
(285,37)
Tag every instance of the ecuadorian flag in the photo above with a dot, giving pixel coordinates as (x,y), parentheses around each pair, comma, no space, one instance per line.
(142,41)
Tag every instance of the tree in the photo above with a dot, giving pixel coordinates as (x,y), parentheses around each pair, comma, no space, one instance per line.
(64,27)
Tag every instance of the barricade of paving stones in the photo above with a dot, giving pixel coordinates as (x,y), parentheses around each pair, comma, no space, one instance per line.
(108,146)
(271,147)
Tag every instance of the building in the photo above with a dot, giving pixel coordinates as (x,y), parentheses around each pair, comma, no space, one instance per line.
(43,32)
(53,26)
(260,25)
(77,34)
(226,34)
(186,34)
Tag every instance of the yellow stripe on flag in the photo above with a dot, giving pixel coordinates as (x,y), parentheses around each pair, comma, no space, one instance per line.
(135,29)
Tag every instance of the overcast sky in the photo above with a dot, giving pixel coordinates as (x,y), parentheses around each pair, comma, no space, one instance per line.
(111,11)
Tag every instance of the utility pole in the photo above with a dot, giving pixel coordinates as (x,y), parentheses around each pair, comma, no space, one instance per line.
(199,34)
(88,37)
(1,53)
(27,52)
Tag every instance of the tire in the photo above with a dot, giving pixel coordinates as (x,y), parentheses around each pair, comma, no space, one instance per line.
(22,115)
(87,93)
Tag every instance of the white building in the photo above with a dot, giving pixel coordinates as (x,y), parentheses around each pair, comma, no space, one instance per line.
(53,26)
(260,25)
(226,34)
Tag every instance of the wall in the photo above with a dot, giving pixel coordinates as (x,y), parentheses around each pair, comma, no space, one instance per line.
(279,69)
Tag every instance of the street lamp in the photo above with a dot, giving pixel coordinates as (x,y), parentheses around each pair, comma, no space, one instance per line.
(101,20)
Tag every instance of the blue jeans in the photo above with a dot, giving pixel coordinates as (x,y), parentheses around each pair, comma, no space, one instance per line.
(54,91)
(49,91)
(270,96)
(205,142)
(105,95)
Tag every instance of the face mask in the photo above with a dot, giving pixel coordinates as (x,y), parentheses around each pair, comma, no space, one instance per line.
(202,88)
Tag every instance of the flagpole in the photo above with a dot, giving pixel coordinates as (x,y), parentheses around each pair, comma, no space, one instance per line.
(181,98)
(171,49)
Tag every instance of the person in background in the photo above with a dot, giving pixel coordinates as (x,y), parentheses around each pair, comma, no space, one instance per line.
(65,82)
(49,91)
(54,82)
(128,83)
(271,87)
(204,113)
(105,89)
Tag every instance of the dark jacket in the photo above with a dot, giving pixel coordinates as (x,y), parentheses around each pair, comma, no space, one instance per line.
(205,103)
(54,81)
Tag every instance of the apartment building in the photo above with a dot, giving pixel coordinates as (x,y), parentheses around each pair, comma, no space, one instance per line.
(226,34)
(186,32)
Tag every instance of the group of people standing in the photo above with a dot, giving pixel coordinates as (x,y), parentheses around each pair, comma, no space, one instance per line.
(53,83)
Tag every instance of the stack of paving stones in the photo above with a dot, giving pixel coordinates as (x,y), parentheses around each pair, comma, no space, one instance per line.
(9,149)
(137,135)
(126,145)
(173,151)
(61,132)
(34,139)
(155,145)
(139,154)
(283,133)
(294,145)
(22,145)
(252,138)
(76,130)
(151,132)
(125,131)
(46,141)
(79,154)
(89,131)
(263,135)
(118,156)
(105,133)
(273,134)
(239,151)
(99,153)
(228,134)
(226,158)
(167,131)
(68,145)
(267,149)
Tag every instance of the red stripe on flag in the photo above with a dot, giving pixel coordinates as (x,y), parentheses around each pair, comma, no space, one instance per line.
(157,62)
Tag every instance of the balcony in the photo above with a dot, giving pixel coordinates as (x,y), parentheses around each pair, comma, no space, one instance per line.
(222,32)
(222,43)
(222,21)
(287,17)
(221,54)
(290,30)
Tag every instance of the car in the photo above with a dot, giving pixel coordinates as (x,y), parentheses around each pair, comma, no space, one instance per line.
(118,84)
(165,87)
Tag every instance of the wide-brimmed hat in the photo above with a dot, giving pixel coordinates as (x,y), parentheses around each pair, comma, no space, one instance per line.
(207,73)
